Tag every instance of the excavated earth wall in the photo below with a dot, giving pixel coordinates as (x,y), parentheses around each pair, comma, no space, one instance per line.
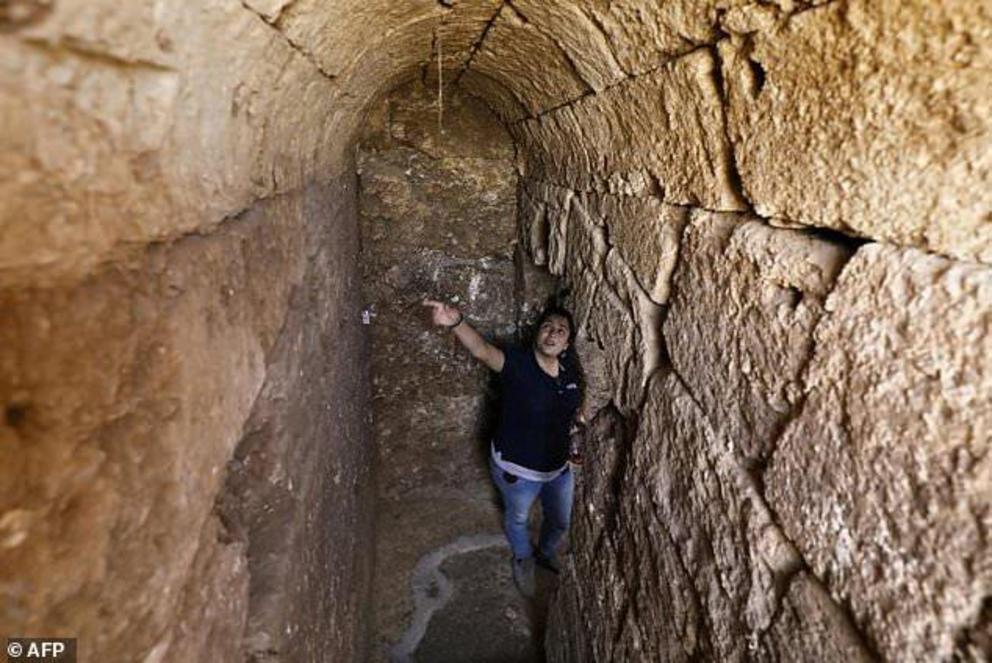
(184,466)
(169,503)
(437,207)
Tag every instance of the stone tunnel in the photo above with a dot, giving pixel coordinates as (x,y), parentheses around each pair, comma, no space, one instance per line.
(230,433)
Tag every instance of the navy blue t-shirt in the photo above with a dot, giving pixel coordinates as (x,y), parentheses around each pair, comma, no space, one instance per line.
(536,412)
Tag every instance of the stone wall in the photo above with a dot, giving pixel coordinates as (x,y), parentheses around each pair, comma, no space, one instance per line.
(183,468)
(127,396)
(775,239)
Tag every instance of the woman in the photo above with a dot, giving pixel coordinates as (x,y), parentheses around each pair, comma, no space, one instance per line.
(529,454)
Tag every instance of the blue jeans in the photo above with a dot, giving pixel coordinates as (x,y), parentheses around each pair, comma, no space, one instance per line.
(519,495)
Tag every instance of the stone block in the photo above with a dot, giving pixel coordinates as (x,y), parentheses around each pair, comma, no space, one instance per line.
(533,288)
(701,566)
(458,34)
(646,233)
(869,117)
(579,38)
(126,398)
(132,125)
(740,328)
(611,324)
(661,134)
(528,62)
(468,129)
(337,34)
(883,480)
(586,242)
(458,205)
(649,352)
(532,225)
(612,315)
(498,96)
(565,611)
(642,35)
(810,627)
(558,206)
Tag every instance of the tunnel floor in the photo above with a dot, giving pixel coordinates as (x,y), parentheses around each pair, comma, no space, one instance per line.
(467,608)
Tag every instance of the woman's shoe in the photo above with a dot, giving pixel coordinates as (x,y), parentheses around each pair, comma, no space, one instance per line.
(523,575)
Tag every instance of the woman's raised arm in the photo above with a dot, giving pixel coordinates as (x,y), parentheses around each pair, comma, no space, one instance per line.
(444,315)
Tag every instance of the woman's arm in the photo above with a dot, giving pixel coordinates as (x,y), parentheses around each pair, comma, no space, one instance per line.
(444,315)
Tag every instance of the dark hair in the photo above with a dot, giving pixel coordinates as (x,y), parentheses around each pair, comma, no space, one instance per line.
(555,311)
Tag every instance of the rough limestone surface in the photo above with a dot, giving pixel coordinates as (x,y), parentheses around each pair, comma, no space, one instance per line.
(869,117)
(131,125)
(339,34)
(643,35)
(661,133)
(457,37)
(136,124)
(497,96)
(104,384)
(883,481)
(740,327)
(532,224)
(548,217)
(828,634)
(578,36)
(646,233)
(185,466)
(602,309)
(693,563)
(609,304)
(648,351)
(528,62)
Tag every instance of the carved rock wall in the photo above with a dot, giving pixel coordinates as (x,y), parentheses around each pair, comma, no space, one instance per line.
(126,523)
(792,455)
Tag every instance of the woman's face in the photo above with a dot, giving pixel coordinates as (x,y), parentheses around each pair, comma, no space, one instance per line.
(552,336)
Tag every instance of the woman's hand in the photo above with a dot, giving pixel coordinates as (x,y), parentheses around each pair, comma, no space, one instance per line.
(442,314)
(450,317)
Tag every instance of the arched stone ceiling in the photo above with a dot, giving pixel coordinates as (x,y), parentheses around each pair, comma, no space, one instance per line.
(131,123)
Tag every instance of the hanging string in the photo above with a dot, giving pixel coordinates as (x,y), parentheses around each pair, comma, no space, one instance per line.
(440,87)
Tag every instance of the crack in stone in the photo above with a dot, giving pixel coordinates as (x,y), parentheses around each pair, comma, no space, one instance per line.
(477,45)
(281,13)
(89,53)
(802,374)
(553,39)
(730,159)
(276,25)
(598,24)
(801,564)
(827,234)
(622,81)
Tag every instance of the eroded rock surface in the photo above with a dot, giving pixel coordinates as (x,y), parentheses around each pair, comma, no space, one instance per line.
(868,117)
(740,328)
(884,479)
(184,470)
(105,384)
(694,565)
